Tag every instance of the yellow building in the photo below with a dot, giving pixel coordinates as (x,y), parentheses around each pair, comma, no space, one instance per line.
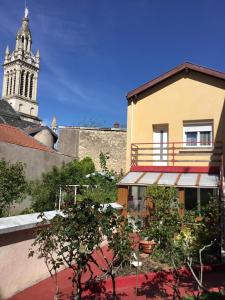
(175,136)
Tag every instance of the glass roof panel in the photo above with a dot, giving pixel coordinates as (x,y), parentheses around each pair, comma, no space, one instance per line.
(130,178)
(207,180)
(149,178)
(188,179)
(168,179)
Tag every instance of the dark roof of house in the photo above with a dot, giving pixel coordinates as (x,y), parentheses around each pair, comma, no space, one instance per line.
(31,117)
(16,136)
(9,116)
(180,68)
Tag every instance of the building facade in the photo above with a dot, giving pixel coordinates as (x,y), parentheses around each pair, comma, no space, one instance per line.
(90,141)
(175,136)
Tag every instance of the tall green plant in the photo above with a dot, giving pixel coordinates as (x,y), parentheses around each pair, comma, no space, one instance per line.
(165,222)
(102,185)
(12,185)
(103,161)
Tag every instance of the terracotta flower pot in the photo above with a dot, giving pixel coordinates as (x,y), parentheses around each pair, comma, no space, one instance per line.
(198,219)
(147,246)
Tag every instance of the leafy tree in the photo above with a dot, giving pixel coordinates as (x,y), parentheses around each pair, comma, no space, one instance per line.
(102,185)
(12,185)
(72,237)
(45,191)
(117,230)
(183,241)
(165,222)
(170,230)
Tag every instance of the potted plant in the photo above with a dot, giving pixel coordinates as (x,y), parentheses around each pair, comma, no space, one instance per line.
(148,241)
(147,246)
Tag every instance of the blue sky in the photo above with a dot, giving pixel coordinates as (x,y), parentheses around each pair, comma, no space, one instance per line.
(94,51)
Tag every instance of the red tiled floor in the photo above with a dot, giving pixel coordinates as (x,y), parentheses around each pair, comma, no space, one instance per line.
(150,286)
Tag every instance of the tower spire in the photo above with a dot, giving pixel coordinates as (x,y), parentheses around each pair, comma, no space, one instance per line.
(54,124)
(7,50)
(26,11)
(21,68)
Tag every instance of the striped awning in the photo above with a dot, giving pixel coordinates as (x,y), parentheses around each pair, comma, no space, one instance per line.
(171,179)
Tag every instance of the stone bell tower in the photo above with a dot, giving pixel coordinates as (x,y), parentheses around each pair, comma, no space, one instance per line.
(21,69)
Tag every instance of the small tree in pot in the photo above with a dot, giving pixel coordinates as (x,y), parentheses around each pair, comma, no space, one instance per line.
(71,239)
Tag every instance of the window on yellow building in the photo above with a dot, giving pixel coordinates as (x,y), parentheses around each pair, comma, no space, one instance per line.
(197,134)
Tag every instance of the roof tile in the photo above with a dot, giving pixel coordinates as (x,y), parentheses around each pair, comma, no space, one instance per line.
(13,135)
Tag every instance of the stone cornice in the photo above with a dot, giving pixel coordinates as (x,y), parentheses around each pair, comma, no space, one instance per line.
(21,98)
(22,62)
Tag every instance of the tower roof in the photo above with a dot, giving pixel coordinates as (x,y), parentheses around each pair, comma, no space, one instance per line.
(54,122)
(24,29)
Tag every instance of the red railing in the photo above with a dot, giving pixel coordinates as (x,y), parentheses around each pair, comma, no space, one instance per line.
(176,153)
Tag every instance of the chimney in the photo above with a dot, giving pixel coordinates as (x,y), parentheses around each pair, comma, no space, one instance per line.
(116,125)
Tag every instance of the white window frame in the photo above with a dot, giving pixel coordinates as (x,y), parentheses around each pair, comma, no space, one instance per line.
(197,127)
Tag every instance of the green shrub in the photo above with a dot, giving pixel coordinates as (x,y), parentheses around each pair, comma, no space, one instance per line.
(12,185)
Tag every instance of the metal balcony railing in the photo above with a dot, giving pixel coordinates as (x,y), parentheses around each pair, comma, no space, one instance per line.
(176,154)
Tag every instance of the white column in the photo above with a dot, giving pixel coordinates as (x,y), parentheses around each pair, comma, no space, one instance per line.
(11,83)
(24,83)
(28,46)
(14,83)
(24,44)
(17,90)
(4,85)
(31,90)
(35,88)
(7,84)
(28,86)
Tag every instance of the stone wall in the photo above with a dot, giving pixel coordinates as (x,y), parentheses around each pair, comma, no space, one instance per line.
(36,162)
(68,141)
(82,142)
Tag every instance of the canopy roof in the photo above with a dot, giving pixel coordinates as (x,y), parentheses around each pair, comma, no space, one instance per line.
(171,179)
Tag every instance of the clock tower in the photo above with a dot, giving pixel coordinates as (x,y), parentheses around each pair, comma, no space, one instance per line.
(21,68)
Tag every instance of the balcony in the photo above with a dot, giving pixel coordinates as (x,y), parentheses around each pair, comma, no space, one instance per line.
(176,154)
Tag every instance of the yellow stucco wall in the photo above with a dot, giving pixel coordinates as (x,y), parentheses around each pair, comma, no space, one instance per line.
(181,98)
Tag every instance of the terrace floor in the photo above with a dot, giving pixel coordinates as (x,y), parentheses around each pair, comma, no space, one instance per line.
(149,286)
